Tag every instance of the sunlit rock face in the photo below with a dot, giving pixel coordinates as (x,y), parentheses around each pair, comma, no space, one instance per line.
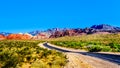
(60,32)
(2,37)
(18,36)
(41,36)
(28,34)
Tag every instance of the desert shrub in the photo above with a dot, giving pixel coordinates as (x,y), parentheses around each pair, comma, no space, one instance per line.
(94,48)
(18,54)
(106,48)
(115,47)
(107,42)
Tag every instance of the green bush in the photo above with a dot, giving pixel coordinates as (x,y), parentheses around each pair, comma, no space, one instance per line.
(17,54)
(106,49)
(97,46)
(94,48)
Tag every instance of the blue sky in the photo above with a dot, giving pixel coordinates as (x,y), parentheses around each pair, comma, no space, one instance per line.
(28,15)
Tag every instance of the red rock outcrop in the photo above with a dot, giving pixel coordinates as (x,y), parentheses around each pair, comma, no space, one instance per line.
(18,36)
(2,37)
(40,36)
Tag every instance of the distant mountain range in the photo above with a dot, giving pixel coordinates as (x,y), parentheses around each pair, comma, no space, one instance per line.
(5,33)
(34,32)
(57,32)
(105,27)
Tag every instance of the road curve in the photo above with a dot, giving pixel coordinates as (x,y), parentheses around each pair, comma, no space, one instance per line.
(83,59)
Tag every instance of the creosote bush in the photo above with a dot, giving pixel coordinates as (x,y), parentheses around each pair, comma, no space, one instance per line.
(100,42)
(26,54)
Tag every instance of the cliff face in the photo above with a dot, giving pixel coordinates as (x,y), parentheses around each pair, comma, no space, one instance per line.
(2,37)
(18,36)
(102,28)
(57,32)
(105,28)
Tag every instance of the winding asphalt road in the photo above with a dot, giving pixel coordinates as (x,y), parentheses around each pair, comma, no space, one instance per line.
(83,59)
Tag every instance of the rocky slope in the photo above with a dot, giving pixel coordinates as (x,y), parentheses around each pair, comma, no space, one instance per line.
(102,28)
(57,32)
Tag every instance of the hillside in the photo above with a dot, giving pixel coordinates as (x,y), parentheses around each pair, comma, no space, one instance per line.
(92,42)
(57,32)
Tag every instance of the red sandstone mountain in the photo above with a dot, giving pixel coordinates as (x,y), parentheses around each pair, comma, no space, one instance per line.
(2,37)
(56,32)
(18,36)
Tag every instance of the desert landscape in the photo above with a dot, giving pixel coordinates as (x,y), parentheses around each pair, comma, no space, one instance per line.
(59,34)
(94,47)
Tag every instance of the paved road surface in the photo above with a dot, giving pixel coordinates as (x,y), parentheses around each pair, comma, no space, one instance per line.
(83,59)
